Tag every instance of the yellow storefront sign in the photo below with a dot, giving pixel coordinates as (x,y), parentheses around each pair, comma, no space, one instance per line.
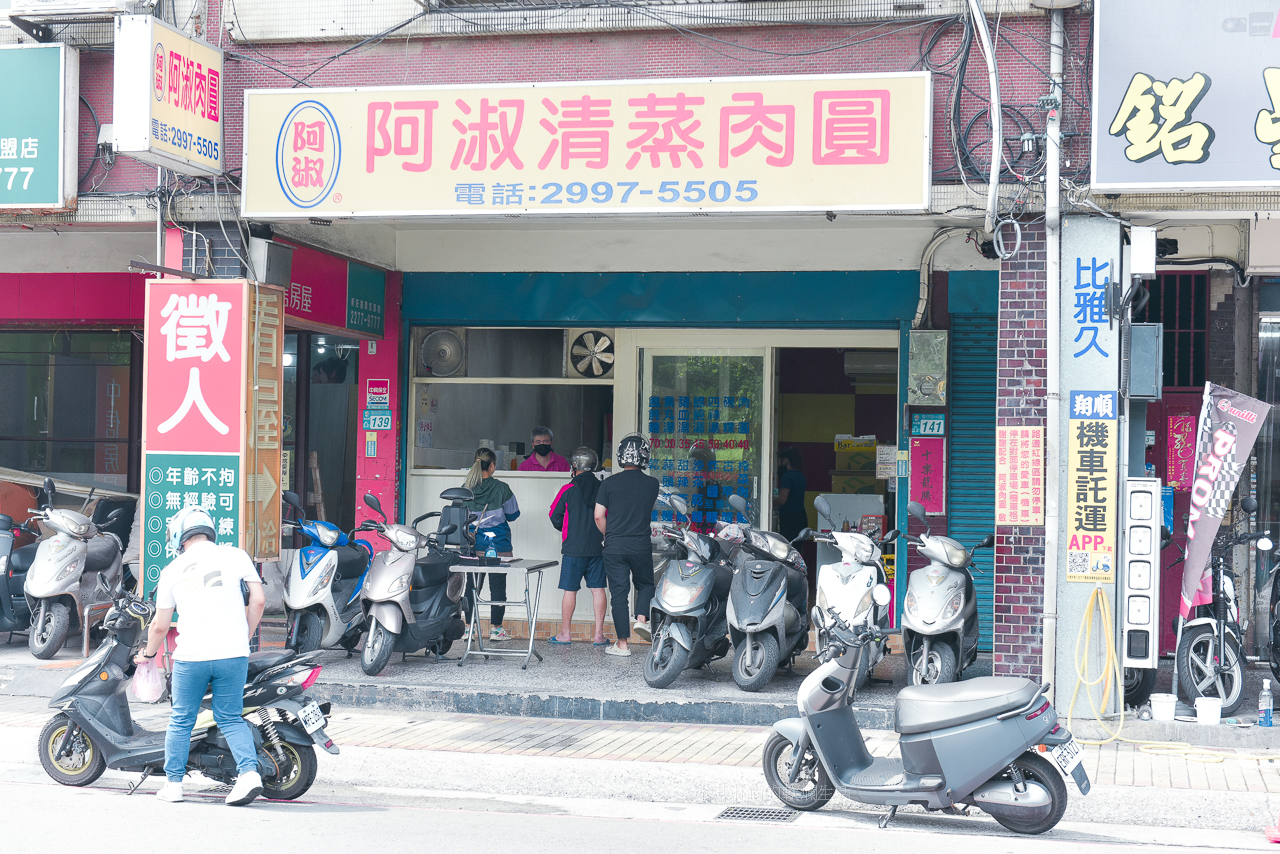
(1093,458)
(824,143)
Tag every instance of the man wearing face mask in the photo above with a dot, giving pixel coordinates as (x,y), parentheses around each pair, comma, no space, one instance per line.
(543,458)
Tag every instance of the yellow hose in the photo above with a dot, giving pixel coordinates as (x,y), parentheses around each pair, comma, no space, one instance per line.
(1100,604)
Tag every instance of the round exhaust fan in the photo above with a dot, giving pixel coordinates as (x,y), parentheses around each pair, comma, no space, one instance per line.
(591,354)
(442,353)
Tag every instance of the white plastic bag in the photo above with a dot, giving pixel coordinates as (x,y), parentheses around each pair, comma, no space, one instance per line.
(148,683)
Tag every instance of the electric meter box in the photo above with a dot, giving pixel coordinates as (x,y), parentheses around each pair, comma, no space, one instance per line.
(1140,596)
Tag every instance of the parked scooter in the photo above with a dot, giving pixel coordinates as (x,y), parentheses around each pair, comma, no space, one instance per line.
(985,743)
(71,577)
(94,731)
(411,604)
(322,589)
(940,610)
(847,586)
(1210,660)
(687,616)
(768,611)
(15,614)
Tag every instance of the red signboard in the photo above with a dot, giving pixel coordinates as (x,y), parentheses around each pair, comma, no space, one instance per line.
(1181,451)
(929,473)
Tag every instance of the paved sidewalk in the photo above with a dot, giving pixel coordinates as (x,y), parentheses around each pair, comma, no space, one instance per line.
(1115,764)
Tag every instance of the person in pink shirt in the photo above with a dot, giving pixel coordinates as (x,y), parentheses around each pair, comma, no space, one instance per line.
(543,458)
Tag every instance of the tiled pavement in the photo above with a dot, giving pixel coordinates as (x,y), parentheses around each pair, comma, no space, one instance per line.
(1112,764)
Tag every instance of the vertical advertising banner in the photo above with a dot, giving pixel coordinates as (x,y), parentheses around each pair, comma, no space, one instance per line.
(204,436)
(929,473)
(1093,460)
(1229,424)
(39,126)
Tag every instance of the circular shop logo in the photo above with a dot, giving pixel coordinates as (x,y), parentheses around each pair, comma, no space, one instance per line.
(158,72)
(308,154)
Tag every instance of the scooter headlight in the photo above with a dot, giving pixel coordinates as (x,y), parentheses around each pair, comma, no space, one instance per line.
(863,550)
(400,585)
(678,596)
(823,605)
(863,606)
(404,539)
(327,536)
(953,606)
(909,604)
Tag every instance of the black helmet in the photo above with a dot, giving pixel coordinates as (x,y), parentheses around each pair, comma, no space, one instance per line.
(633,450)
(584,459)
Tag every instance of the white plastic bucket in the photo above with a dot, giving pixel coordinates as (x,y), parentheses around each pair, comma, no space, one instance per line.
(1209,710)
(1162,706)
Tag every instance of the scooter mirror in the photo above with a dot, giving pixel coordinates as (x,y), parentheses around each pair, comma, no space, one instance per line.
(823,507)
(1265,544)
(372,501)
(1165,533)
(803,536)
(890,537)
(292,499)
(916,511)
(1249,504)
(114,515)
(816,615)
(447,530)
(880,595)
(678,503)
(987,542)
(737,502)
(49,492)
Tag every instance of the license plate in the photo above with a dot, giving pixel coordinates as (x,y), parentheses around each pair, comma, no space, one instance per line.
(1069,757)
(311,716)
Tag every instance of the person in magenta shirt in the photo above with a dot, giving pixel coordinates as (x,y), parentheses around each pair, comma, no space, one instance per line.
(543,458)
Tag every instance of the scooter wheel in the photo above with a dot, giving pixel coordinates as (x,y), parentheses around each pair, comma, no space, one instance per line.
(83,764)
(310,632)
(378,645)
(755,661)
(299,777)
(50,635)
(938,669)
(1037,769)
(1139,682)
(665,661)
(812,788)
(1199,655)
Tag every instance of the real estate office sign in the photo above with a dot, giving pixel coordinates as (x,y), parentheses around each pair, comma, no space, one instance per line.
(1186,95)
(211,393)
(796,143)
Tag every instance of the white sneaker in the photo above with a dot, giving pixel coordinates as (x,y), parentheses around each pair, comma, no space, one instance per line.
(246,790)
(642,631)
(171,792)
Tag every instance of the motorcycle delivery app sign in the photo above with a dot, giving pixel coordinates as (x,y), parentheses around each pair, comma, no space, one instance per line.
(1186,95)
(167,97)
(1229,425)
(846,142)
(39,126)
(202,421)
(1092,462)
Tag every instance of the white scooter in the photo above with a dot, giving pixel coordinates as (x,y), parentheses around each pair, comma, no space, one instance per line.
(74,572)
(847,587)
(322,589)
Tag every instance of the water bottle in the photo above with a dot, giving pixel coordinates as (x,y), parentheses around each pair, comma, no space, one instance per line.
(1264,704)
(493,552)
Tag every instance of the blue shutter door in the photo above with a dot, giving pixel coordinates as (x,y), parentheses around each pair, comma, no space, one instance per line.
(971,490)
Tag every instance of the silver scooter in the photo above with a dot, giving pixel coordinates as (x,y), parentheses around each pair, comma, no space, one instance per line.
(72,576)
(994,743)
(940,610)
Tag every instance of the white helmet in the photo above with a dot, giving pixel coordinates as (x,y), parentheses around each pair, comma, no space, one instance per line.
(188,522)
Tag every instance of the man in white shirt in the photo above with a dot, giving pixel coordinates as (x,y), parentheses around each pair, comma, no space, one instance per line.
(203,584)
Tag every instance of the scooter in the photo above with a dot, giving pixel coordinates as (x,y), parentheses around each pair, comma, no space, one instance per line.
(411,604)
(687,616)
(93,729)
(992,742)
(72,575)
(1210,660)
(15,615)
(847,586)
(940,610)
(322,589)
(767,612)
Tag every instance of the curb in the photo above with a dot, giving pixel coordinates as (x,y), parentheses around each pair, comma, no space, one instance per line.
(676,710)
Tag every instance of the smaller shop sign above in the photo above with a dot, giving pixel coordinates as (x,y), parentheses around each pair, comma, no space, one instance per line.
(39,126)
(332,294)
(168,97)
(377,394)
(928,424)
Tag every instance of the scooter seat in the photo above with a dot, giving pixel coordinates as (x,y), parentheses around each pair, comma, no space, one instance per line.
(103,551)
(352,561)
(431,571)
(260,661)
(20,560)
(922,708)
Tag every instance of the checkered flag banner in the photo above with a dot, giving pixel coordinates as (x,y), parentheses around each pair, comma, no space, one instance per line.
(1229,425)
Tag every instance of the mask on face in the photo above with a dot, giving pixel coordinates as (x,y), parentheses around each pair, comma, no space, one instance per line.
(542,450)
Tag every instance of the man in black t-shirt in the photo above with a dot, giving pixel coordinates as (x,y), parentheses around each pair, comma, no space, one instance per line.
(624,508)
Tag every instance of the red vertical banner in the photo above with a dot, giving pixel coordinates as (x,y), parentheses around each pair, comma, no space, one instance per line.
(1181,451)
(929,473)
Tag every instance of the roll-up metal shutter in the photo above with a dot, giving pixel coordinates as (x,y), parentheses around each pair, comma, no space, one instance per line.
(971,490)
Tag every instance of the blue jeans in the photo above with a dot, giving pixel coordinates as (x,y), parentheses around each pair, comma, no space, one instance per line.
(190,679)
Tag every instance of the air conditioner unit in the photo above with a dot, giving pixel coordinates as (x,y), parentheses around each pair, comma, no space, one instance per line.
(589,354)
(440,352)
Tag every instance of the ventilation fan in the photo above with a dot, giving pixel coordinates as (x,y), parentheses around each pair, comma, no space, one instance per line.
(590,354)
(442,353)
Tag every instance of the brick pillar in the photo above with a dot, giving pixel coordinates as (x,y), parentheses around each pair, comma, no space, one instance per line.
(1017,635)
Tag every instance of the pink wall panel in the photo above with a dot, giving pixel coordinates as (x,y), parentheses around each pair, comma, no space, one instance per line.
(46,296)
(71,299)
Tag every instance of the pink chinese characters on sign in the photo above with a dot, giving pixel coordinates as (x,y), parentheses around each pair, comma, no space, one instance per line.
(929,473)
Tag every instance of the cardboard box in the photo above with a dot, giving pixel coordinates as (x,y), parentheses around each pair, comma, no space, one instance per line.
(856,483)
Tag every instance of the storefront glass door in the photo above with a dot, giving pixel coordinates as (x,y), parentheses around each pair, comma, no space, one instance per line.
(702,410)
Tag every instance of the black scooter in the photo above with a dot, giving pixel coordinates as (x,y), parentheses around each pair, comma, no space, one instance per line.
(688,611)
(15,611)
(93,730)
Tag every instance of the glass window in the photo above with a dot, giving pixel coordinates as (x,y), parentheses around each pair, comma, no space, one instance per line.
(702,411)
(68,412)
